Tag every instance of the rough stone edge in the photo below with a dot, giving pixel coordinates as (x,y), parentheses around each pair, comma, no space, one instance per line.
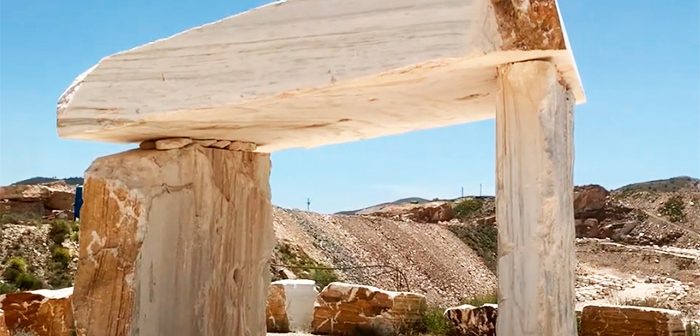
(177,143)
(529,24)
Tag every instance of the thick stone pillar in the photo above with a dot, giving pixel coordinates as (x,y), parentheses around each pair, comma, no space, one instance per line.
(534,210)
(175,242)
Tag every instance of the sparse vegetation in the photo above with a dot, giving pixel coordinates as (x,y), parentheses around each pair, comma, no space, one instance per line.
(40,180)
(14,268)
(60,229)
(673,209)
(435,323)
(301,264)
(668,185)
(60,278)
(693,328)
(61,255)
(323,277)
(466,208)
(7,288)
(481,300)
(482,238)
(18,276)
(28,281)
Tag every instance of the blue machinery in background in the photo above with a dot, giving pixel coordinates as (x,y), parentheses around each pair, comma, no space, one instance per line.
(78,201)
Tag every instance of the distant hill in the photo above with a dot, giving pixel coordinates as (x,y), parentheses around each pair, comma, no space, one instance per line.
(415,200)
(668,185)
(39,180)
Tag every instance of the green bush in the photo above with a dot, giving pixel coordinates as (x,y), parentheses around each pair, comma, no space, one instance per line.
(60,278)
(7,288)
(435,323)
(482,238)
(480,300)
(673,209)
(466,208)
(75,226)
(75,237)
(301,264)
(15,267)
(28,281)
(694,328)
(60,228)
(323,277)
(61,255)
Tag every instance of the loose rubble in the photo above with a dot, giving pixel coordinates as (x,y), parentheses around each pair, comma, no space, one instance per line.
(175,143)
(469,320)
(343,308)
(43,312)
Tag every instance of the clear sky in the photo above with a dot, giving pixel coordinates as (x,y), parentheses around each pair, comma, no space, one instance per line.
(639,60)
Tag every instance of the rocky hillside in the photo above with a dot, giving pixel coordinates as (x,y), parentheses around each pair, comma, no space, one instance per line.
(634,244)
(38,237)
(403,254)
(71,181)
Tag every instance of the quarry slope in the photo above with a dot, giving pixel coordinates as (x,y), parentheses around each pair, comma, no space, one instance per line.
(433,260)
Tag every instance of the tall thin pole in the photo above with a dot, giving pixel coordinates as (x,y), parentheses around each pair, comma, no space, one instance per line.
(308,204)
(479,189)
(462,192)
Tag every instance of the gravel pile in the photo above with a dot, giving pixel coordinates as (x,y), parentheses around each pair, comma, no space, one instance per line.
(432,259)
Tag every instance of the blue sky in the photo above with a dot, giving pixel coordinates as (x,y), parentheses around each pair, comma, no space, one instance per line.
(639,60)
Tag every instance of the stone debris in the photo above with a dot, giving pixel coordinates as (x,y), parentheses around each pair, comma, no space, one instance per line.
(37,198)
(469,320)
(617,290)
(242,146)
(290,305)
(172,143)
(175,143)
(221,144)
(596,286)
(43,312)
(343,308)
(205,143)
(627,320)
(589,199)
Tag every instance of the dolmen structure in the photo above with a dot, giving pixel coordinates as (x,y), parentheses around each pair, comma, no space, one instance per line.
(176,234)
